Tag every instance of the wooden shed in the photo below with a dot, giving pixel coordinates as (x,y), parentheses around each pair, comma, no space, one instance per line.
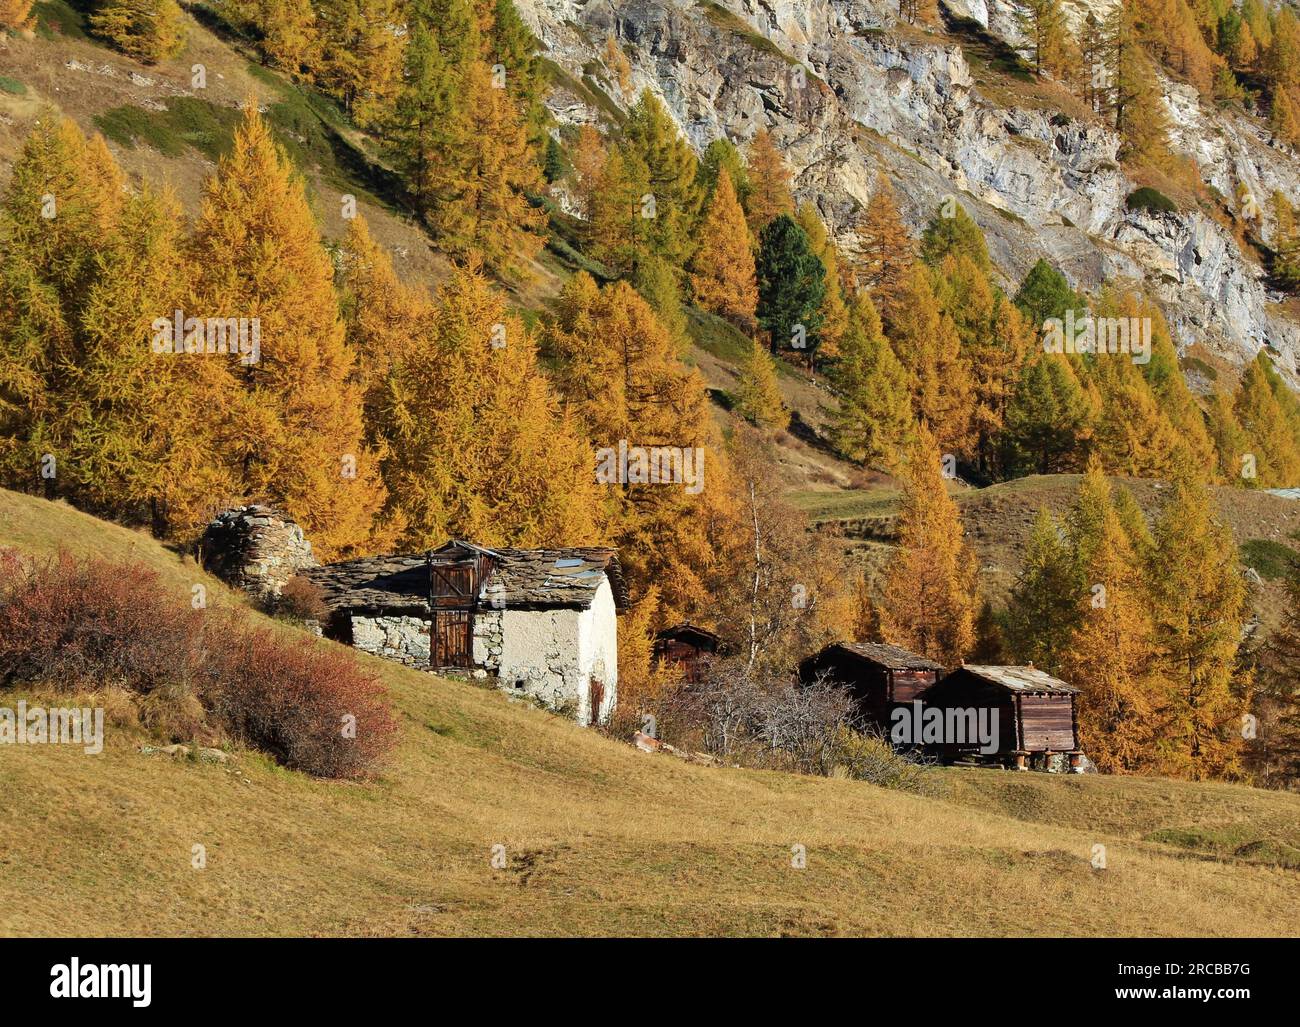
(687,646)
(880,676)
(1036,713)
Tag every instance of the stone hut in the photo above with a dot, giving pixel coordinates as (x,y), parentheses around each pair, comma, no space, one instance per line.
(541,622)
(255,548)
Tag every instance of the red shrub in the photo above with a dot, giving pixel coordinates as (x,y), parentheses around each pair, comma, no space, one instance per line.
(312,708)
(72,622)
(301,599)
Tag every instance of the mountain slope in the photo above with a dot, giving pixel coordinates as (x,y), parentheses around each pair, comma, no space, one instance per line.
(599,838)
(845,89)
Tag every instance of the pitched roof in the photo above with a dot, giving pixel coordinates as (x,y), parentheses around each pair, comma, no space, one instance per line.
(520,579)
(1021,679)
(891,657)
(688,630)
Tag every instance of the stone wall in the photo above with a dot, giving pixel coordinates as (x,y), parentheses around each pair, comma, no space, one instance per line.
(400,638)
(255,548)
(488,639)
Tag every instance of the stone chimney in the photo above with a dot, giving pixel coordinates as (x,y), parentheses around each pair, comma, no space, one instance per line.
(255,548)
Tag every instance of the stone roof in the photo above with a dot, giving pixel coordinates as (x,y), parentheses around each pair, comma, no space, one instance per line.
(554,577)
(1021,679)
(520,579)
(374,583)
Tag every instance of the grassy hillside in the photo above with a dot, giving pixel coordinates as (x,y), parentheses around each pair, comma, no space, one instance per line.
(999,519)
(599,838)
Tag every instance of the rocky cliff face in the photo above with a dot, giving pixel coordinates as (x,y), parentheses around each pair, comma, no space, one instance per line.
(846,91)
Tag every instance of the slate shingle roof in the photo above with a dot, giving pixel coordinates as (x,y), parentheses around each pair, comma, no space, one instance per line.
(520,579)
(554,577)
(1021,679)
(374,583)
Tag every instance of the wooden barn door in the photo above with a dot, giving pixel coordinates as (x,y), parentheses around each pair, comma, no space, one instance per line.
(449,638)
(451,598)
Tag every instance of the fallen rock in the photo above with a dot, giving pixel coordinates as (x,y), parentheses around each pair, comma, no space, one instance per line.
(179,751)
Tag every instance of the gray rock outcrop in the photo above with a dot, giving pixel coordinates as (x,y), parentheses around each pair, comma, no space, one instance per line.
(846,92)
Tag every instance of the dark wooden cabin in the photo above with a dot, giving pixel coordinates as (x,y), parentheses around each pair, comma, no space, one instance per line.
(1036,712)
(880,676)
(687,646)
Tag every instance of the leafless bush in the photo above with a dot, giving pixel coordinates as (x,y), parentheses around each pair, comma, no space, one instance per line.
(756,719)
(802,726)
(740,714)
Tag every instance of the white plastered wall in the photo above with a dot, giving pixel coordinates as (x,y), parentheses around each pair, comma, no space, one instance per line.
(553,655)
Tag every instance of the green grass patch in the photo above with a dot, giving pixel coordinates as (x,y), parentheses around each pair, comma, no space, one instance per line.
(716,336)
(187,123)
(1151,200)
(565,241)
(603,100)
(1239,841)
(1272,560)
(59,18)
(11,85)
(306,124)
(1201,367)
(846,504)
(985,51)
(573,259)
(722,339)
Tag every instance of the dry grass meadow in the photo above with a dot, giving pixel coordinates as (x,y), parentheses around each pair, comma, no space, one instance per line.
(599,839)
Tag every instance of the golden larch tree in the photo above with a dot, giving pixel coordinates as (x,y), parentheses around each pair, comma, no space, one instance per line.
(1110,655)
(1199,604)
(124,417)
(257,254)
(619,371)
(930,597)
(17,15)
(1272,453)
(758,397)
(834,309)
(62,204)
(927,344)
(476,444)
(588,161)
(148,30)
(873,420)
(886,252)
(769,182)
(722,269)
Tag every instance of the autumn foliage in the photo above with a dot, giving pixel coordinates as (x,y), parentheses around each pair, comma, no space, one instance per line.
(75,623)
